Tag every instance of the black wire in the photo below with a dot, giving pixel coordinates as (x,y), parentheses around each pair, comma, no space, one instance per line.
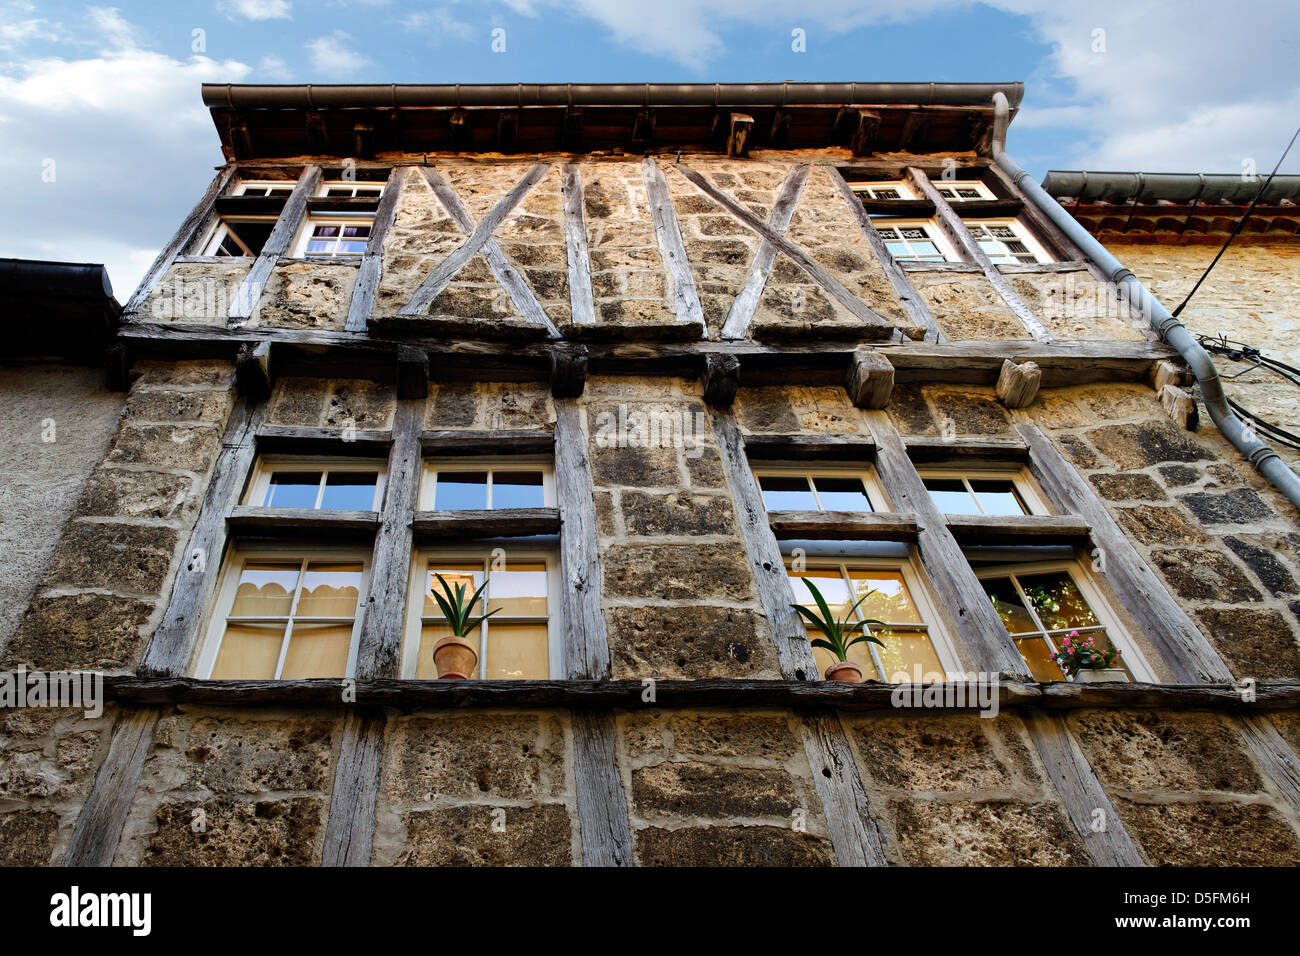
(1241,352)
(1241,224)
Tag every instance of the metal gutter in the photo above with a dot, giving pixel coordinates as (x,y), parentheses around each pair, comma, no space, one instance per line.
(59,280)
(1264,458)
(1167,187)
(508,95)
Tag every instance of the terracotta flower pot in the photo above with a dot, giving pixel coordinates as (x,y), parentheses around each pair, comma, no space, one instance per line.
(845,670)
(454,659)
(1098,675)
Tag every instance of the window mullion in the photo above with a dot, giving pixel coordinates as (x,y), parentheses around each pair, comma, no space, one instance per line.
(293,609)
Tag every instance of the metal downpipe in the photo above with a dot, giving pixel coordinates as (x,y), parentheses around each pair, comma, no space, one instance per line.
(1264,458)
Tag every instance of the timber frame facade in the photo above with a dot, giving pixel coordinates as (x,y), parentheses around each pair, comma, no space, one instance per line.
(543,261)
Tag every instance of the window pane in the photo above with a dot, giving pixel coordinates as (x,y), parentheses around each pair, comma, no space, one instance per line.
(356,232)
(517,489)
(460,491)
(1006,600)
(927,249)
(908,656)
(351,247)
(1036,654)
(517,652)
(318,247)
(350,491)
(325,232)
(998,497)
(339,191)
(265,590)
(330,590)
(1057,600)
(317,650)
(519,590)
(431,634)
(253,234)
(858,654)
(787,493)
(891,601)
(950,496)
(249,652)
(826,580)
(455,574)
(293,489)
(842,494)
(898,249)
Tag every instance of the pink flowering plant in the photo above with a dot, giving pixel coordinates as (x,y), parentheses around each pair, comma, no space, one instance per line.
(1078,654)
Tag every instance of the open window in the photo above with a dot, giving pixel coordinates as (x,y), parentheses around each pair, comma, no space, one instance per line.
(334,236)
(1006,242)
(239,236)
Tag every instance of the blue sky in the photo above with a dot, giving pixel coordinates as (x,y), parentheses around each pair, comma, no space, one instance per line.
(104,144)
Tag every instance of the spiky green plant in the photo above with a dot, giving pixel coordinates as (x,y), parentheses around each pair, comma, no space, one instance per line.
(839,633)
(456,609)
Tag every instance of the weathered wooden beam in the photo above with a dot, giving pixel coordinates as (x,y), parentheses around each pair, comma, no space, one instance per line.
(568,370)
(914,303)
(384,616)
(1017,385)
(1274,755)
(507,131)
(586,645)
(497,523)
(914,127)
(778,133)
(241,141)
(870,379)
(686,300)
(930,449)
(458,131)
(573,129)
(581,300)
(847,812)
(777,448)
(960,591)
(1085,800)
(412,372)
(1017,529)
(254,376)
(793,652)
(350,829)
(99,825)
(844,525)
(741,313)
(873,323)
(324,693)
(602,807)
(956,229)
(864,133)
(277,244)
(643,129)
(1186,651)
(1169,372)
(180,242)
(169,651)
(1180,406)
(301,522)
(312,440)
(501,442)
(975,363)
(478,235)
(363,140)
(317,132)
(370,272)
(741,127)
(721,379)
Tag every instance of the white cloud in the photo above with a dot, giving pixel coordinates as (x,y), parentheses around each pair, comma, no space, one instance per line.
(332,55)
(255,9)
(438,24)
(274,69)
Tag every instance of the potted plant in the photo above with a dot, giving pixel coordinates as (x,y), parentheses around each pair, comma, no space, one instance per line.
(839,634)
(1085,663)
(454,657)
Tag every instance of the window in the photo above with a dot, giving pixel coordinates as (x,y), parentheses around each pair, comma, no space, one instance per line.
(482,486)
(339,236)
(911,651)
(991,492)
(895,189)
(317,483)
(1041,603)
(239,236)
(286,616)
(963,191)
(914,241)
(351,190)
(1006,242)
(280,188)
(791,489)
(520,642)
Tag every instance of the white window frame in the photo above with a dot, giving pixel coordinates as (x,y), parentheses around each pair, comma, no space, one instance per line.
(870,189)
(260,483)
(341,219)
(371,190)
(429,479)
(262,187)
(946,186)
(219,232)
(1021,233)
(233,564)
(932,233)
(1028,490)
(875,490)
(1118,634)
(916,587)
(461,553)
